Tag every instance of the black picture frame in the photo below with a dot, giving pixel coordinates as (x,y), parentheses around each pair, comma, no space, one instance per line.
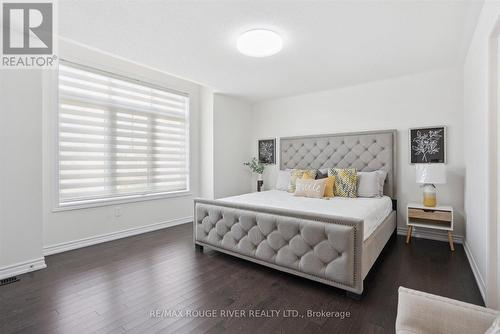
(267,151)
(427,145)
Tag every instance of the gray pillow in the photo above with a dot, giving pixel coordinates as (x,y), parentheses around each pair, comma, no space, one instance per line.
(321,174)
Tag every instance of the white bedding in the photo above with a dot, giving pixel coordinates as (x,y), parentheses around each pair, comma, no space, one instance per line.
(372,210)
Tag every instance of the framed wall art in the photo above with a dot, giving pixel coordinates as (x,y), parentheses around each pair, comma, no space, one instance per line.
(267,151)
(427,145)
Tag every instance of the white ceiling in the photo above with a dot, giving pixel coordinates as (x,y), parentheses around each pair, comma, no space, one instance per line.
(327,44)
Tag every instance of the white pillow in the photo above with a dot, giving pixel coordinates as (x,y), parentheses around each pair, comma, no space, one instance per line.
(382,174)
(368,184)
(283,179)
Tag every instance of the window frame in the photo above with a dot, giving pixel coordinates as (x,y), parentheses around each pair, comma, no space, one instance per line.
(51,81)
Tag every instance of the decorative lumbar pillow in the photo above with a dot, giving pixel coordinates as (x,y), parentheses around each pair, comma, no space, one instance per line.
(310,188)
(368,184)
(297,174)
(283,179)
(346,181)
(330,186)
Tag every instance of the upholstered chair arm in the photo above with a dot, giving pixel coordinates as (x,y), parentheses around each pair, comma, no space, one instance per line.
(420,312)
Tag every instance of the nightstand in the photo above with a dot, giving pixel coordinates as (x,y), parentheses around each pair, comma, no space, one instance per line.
(437,218)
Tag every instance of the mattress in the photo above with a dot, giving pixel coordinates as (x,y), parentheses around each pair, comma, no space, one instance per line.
(373,211)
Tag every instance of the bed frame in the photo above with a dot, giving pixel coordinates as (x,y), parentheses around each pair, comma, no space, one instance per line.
(324,248)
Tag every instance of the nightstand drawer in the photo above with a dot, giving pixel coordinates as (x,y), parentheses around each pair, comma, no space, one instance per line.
(429,214)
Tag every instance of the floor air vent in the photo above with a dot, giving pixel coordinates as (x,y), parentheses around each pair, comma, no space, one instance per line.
(9,280)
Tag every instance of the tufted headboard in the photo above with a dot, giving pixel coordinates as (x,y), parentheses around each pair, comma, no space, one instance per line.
(365,151)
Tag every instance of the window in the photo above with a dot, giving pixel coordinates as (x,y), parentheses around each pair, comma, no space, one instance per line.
(118,137)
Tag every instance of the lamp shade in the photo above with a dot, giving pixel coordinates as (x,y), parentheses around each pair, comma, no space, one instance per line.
(431,173)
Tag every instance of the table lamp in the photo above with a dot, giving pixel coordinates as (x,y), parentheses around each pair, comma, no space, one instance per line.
(429,175)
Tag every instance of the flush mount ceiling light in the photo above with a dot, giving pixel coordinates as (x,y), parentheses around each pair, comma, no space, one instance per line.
(259,43)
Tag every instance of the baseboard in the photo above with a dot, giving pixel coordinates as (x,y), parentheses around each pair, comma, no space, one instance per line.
(22,268)
(475,270)
(70,245)
(432,235)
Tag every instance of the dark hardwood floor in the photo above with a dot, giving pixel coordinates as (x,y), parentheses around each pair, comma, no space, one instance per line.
(115,287)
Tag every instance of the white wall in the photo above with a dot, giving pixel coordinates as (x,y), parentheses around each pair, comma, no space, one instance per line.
(477,116)
(232,146)
(66,227)
(225,145)
(21,171)
(427,99)
(207,143)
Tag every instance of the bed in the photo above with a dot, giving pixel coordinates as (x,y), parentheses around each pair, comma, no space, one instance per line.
(336,241)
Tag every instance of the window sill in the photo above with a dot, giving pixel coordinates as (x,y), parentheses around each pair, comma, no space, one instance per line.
(116,201)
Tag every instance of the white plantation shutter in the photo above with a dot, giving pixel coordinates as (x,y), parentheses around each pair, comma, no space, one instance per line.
(119,137)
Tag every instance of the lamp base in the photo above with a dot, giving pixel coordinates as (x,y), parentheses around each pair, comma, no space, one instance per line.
(430,195)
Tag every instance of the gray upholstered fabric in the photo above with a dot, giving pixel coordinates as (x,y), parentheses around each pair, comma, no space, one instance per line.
(325,248)
(421,312)
(373,246)
(365,151)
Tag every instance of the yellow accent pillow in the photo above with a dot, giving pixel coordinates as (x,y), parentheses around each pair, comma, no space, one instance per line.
(330,186)
(307,176)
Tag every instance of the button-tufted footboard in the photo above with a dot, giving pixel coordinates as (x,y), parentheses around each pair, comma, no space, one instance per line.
(319,247)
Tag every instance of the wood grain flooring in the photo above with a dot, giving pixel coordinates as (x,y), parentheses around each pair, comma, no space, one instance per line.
(117,287)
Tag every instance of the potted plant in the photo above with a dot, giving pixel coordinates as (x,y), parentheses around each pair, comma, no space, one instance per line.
(258,168)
